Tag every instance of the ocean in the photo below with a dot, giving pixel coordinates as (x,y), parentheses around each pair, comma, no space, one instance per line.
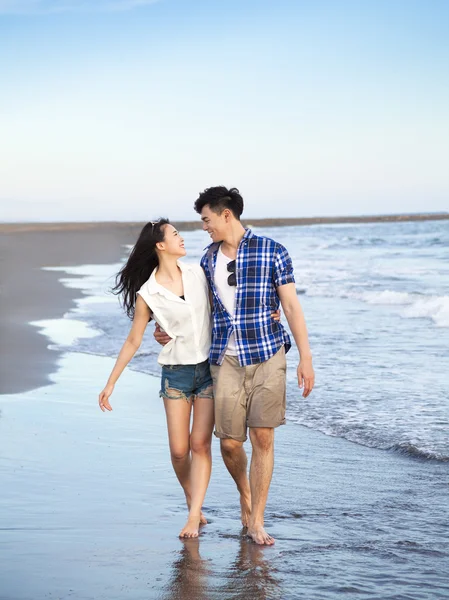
(376,301)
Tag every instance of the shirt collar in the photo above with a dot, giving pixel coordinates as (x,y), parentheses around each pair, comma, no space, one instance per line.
(248,234)
(156,288)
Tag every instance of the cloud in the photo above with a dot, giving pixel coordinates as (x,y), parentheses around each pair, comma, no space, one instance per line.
(30,7)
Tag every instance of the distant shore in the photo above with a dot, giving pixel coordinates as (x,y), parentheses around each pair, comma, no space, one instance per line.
(130,227)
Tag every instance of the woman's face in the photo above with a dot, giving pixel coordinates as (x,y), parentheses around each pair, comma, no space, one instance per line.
(173,244)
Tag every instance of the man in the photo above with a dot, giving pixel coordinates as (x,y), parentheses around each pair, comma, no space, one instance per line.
(249,276)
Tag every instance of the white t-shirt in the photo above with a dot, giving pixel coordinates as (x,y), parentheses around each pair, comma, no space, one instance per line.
(187,322)
(226,293)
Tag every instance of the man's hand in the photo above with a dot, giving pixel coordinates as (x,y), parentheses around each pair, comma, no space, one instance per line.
(276,315)
(306,376)
(160,336)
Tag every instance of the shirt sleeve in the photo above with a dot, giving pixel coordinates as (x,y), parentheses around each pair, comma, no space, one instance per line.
(203,264)
(198,270)
(143,292)
(283,267)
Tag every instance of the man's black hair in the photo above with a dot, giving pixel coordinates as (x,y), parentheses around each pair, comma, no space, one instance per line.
(218,198)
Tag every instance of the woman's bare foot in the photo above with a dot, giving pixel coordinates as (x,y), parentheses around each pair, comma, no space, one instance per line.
(245,509)
(260,536)
(203,519)
(190,529)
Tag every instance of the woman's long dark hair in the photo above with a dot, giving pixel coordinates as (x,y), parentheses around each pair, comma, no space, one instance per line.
(140,264)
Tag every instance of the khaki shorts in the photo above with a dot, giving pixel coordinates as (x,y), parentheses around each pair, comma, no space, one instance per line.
(252,396)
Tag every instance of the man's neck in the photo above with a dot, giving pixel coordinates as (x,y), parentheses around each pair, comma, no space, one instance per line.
(232,239)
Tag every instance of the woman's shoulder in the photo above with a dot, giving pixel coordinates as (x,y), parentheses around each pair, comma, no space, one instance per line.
(148,286)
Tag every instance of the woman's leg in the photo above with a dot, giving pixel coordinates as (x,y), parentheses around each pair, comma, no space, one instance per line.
(178,425)
(200,470)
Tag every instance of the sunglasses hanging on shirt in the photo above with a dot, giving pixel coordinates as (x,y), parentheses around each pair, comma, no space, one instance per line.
(232,279)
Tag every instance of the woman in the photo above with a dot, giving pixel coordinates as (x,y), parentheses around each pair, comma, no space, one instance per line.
(154,285)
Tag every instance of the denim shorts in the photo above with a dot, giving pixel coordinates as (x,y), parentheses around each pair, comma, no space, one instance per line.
(182,382)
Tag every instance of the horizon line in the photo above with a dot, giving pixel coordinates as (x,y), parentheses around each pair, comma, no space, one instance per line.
(22,226)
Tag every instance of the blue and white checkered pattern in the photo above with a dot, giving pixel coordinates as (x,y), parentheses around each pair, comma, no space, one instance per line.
(262,265)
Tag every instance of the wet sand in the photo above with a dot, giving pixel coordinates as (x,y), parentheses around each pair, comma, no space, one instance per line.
(90,508)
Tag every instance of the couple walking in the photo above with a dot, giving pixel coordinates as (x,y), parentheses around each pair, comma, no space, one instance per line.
(224,353)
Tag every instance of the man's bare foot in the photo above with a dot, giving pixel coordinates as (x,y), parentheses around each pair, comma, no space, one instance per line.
(190,529)
(245,509)
(260,536)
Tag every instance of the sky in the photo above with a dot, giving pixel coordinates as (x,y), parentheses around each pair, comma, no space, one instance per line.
(124,110)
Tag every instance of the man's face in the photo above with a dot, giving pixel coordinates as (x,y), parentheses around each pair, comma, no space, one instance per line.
(214,224)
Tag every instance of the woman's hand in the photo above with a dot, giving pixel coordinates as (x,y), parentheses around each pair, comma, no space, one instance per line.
(103,398)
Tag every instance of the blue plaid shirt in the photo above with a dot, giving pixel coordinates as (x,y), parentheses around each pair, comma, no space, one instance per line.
(262,265)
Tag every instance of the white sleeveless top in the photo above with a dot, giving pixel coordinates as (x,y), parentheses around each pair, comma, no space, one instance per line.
(188,322)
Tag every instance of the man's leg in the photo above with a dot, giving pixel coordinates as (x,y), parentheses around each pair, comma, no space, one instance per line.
(266,411)
(236,461)
(261,471)
(230,425)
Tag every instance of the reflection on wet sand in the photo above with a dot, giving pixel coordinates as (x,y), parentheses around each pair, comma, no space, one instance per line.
(250,576)
(190,574)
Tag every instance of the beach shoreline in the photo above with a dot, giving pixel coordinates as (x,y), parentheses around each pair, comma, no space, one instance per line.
(28,293)
(90,507)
